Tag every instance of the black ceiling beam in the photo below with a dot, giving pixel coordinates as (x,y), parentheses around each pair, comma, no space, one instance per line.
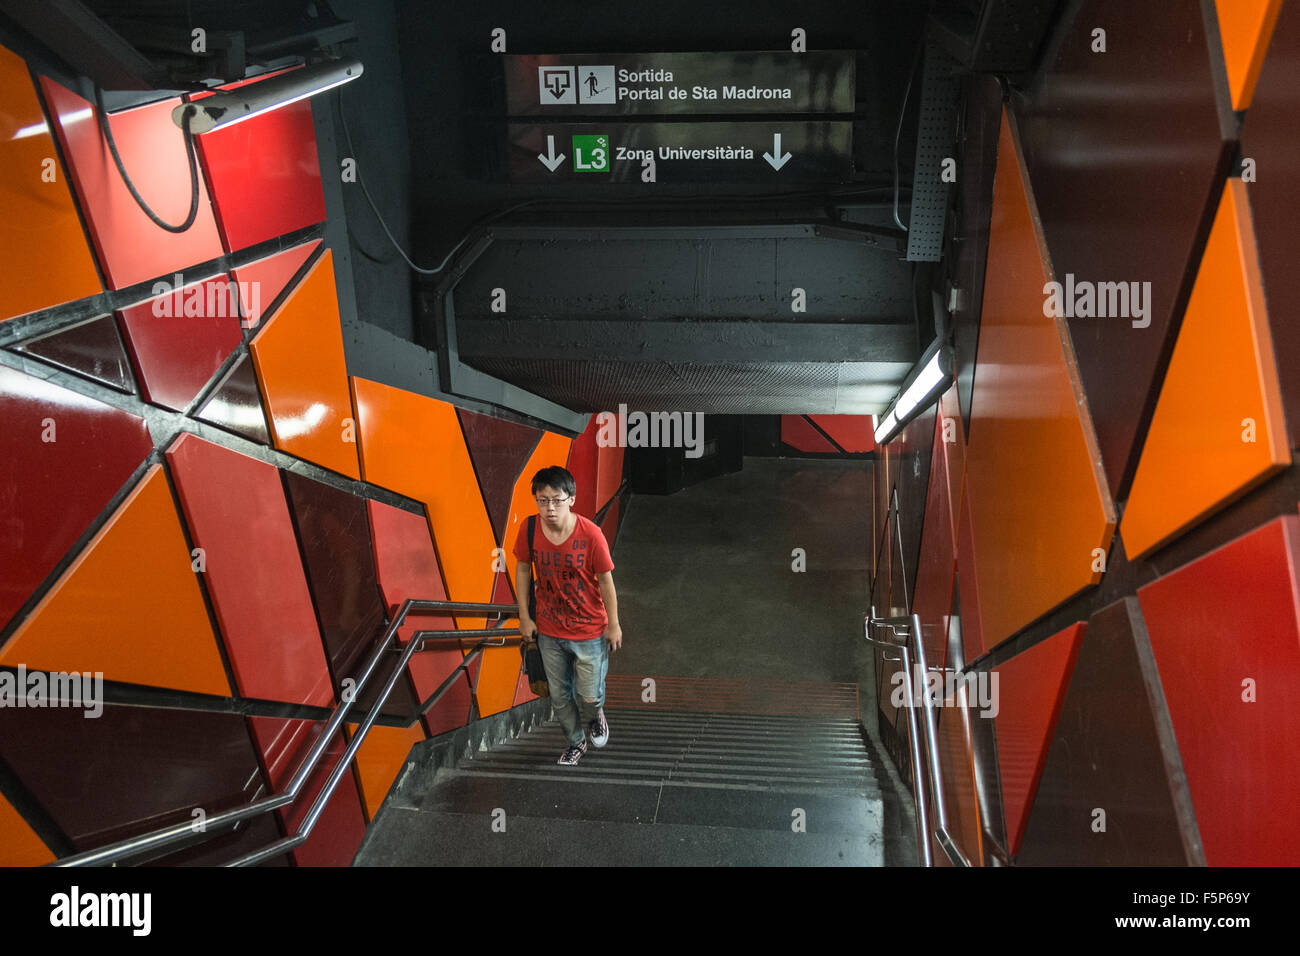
(86,43)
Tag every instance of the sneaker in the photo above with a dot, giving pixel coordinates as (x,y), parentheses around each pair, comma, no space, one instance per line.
(572,755)
(599,729)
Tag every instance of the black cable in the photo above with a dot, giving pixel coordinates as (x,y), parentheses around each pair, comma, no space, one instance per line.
(902,112)
(102,115)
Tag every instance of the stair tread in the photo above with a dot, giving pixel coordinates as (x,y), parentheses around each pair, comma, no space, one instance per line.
(431,838)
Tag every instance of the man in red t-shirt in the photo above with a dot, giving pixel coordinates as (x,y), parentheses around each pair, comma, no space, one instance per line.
(577,609)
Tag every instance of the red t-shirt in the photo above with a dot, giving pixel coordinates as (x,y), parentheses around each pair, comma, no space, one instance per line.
(569,605)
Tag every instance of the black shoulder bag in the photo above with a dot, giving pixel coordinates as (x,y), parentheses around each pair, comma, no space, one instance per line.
(532,653)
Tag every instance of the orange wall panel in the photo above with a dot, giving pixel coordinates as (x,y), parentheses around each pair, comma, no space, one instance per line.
(129,605)
(413,445)
(19,844)
(1222,373)
(1245,27)
(1039,501)
(381,758)
(300,363)
(46,260)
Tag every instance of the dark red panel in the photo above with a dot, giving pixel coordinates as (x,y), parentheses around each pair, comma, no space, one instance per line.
(1113,749)
(1031,689)
(338,832)
(53,490)
(130,247)
(499,450)
(236,511)
(1268,138)
(523,692)
(262,282)
(798,434)
(407,567)
(178,340)
(261,832)
(265,175)
(130,770)
(609,527)
(428,670)
(93,349)
(236,403)
(972,633)
(853,433)
(582,464)
(1123,150)
(1230,618)
(334,532)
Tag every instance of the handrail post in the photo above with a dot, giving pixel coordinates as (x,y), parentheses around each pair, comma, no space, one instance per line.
(919,773)
(931,728)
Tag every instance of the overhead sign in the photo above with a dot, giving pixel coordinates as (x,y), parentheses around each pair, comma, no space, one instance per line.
(757,152)
(630,84)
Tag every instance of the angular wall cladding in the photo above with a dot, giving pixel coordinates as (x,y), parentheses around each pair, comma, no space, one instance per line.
(265,173)
(1268,138)
(42,245)
(63,457)
(1037,500)
(1225,632)
(131,770)
(1218,428)
(137,568)
(237,513)
(130,247)
(298,353)
(1124,165)
(1112,791)
(1030,694)
(256,574)
(414,445)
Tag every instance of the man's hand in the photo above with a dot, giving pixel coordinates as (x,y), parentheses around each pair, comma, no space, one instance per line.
(528,629)
(615,635)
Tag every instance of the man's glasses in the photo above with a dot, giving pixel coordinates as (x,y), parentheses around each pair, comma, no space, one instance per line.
(547,502)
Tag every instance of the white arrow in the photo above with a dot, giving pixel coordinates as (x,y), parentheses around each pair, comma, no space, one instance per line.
(550,160)
(776,151)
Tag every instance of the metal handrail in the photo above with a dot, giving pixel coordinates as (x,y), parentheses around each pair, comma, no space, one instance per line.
(927,777)
(213,826)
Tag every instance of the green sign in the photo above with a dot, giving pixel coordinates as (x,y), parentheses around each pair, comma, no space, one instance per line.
(591,153)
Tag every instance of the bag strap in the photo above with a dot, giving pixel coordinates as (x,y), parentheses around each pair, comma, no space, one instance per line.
(532,568)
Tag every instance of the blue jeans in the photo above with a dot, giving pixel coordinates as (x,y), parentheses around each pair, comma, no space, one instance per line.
(575,671)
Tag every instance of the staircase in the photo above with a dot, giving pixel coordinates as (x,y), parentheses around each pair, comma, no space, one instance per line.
(673,787)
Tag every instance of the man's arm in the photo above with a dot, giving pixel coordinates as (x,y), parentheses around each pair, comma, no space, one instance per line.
(524,578)
(614,631)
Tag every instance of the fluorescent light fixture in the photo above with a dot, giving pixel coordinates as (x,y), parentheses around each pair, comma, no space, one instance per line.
(926,381)
(235,106)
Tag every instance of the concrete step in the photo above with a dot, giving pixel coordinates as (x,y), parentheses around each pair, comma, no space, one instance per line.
(441,838)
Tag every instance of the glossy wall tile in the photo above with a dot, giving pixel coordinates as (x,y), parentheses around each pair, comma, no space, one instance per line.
(63,456)
(237,513)
(42,245)
(130,248)
(138,567)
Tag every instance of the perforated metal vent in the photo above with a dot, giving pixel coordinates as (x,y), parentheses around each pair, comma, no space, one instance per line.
(934,143)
